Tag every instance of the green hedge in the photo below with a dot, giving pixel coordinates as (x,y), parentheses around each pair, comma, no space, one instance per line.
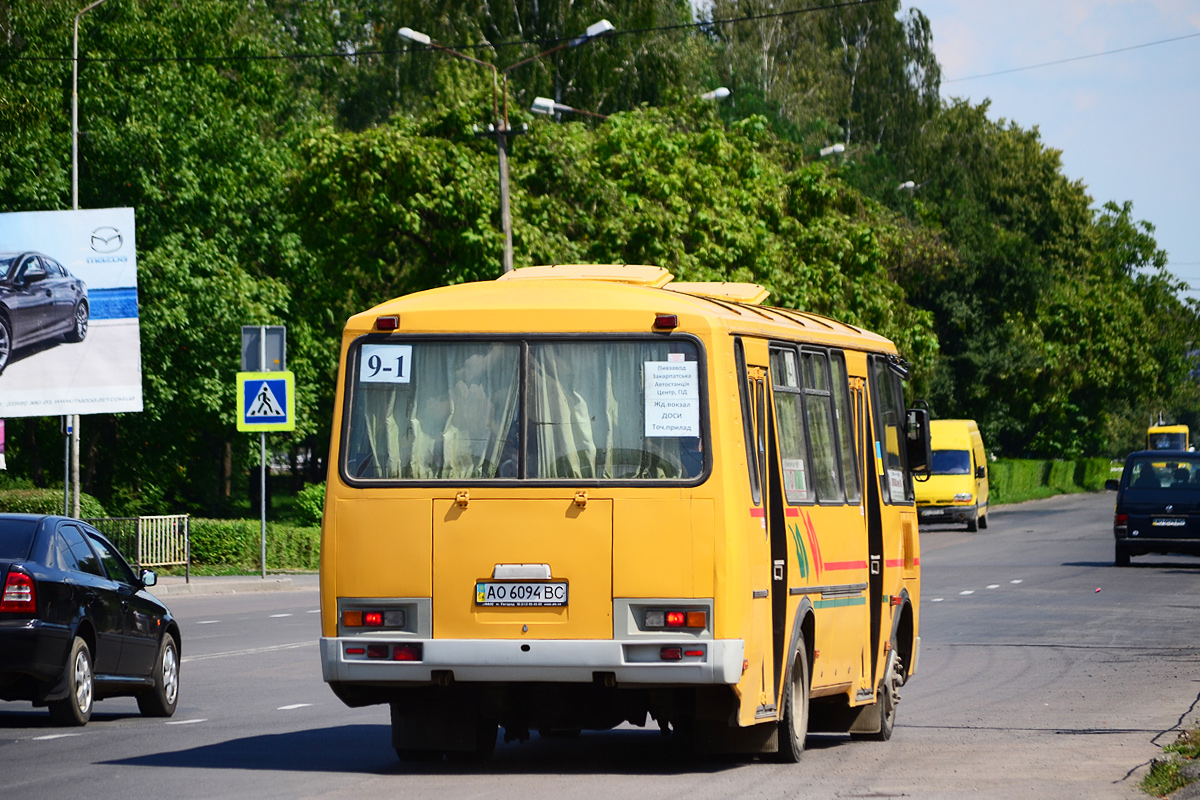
(1012,480)
(235,543)
(45,501)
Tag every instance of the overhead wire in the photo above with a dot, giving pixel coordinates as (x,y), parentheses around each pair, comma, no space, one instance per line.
(1072,59)
(698,25)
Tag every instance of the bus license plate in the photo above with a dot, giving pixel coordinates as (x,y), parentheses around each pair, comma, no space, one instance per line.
(1168,522)
(520,593)
(931,512)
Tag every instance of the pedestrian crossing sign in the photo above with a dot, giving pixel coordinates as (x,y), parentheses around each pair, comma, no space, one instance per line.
(266,401)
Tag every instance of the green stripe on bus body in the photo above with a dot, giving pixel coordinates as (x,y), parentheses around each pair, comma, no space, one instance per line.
(841,601)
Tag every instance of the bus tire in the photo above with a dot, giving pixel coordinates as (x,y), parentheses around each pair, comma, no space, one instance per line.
(973,522)
(793,728)
(983,521)
(888,698)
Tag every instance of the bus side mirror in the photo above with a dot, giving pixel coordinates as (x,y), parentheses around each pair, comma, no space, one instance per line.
(981,471)
(1111,485)
(920,456)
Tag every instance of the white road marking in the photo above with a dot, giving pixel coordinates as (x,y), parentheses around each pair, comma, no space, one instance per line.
(968,591)
(55,736)
(993,586)
(208,622)
(251,651)
(185,721)
(277,616)
(315,611)
(1018,580)
(937,599)
(293,706)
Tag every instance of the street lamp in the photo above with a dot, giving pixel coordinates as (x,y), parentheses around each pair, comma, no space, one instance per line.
(500,128)
(826,152)
(73,457)
(544,105)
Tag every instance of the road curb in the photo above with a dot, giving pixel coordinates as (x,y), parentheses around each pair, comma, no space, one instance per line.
(206,586)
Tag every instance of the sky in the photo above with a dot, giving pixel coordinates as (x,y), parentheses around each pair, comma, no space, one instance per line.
(1127,123)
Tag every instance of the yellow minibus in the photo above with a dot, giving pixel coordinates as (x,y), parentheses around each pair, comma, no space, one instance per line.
(957,487)
(586,495)
(1167,437)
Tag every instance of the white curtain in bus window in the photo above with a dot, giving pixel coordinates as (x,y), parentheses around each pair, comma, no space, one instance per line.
(448,413)
(789,426)
(588,406)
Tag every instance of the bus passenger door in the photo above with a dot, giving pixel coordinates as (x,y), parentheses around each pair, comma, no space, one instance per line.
(776,556)
(872,474)
(765,584)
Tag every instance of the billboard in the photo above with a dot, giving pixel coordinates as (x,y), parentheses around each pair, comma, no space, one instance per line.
(69,336)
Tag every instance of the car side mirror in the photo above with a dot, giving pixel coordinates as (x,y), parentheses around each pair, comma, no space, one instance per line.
(149,577)
(1111,485)
(36,277)
(917,442)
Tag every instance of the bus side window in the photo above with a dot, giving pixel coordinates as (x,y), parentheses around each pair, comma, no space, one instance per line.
(799,481)
(818,403)
(890,421)
(845,426)
(746,389)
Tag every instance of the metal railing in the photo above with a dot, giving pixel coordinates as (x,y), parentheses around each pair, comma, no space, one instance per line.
(150,541)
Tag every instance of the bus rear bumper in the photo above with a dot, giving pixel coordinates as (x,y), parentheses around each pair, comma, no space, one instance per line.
(713,661)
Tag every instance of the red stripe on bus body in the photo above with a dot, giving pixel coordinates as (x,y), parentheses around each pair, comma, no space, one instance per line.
(757,512)
(899,562)
(845,565)
(792,512)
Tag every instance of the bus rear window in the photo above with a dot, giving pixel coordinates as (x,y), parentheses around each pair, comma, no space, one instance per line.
(613,409)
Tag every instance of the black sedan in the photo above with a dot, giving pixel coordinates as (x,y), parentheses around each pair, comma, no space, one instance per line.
(1158,504)
(39,300)
(76,624)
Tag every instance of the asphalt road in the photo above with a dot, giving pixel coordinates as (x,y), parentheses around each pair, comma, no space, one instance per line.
(1031,684)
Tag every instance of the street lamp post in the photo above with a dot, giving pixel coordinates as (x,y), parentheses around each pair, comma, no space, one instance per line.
(500,128)
(74,456)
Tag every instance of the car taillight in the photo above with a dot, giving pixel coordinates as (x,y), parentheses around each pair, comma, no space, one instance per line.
(19,594)
(1121,519)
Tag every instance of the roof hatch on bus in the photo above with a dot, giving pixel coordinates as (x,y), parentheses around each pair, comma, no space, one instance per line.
(637,274)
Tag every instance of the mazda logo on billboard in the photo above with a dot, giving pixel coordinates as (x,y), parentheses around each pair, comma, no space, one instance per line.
(107,240)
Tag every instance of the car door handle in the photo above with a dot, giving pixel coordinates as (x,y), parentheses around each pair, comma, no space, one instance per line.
(89,597)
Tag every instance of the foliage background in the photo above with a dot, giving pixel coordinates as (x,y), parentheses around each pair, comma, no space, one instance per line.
(295,161)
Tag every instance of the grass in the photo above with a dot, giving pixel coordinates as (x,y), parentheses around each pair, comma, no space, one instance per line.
(1165,775)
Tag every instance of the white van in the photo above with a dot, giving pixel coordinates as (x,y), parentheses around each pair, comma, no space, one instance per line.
(957,491)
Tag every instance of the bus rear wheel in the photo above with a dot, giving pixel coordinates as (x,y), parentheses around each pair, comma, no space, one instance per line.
(793,728)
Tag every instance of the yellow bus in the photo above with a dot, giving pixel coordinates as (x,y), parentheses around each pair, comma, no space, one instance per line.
(582,496)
